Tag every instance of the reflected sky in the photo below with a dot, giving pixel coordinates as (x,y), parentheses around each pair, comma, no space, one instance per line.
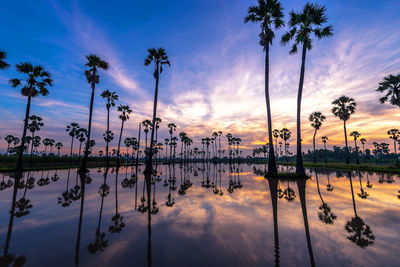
(201,226)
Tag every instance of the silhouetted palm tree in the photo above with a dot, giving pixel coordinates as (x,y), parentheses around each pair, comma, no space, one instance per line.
(111,98)
(363,141)
(395,135)
(35,83)
(324,140)
(3,56)
(285,134)
(391,87)
(302,25)
(344,106)
(9,139)
(147,126)
(316,118)
(268,13)
(159,58)
(356,135)
(34,125)
(362,234)
(81,135)
(72,130)
(94,63)
(125,111)
(59,145)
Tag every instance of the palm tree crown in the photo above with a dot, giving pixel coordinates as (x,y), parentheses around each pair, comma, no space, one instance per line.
(344,106)
(93,63)
(391,87)
(36,82)
(303,24)
(269,14)
(111,98)
(159,58)
(316,118)
(125,111)
(3,64)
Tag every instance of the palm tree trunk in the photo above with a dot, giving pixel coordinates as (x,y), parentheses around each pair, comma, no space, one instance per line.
(272,169)
(108,129)
(21,150)
(119,141)
(345,140)
(33,136)
(299,157)
(357,160)
(86,154)
(395,151)
(315,133)
(149,160)
(70,151)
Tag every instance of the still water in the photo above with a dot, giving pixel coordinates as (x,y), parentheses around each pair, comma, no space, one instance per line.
(199,215)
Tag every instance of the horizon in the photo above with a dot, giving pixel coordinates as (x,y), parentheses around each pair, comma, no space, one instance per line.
(214,83)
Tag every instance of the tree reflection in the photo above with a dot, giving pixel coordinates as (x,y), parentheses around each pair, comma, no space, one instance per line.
(117,218)
(361,233)
(100,243)
(325,214)
(24,204)
(273,189)
(363,194)
(11,259)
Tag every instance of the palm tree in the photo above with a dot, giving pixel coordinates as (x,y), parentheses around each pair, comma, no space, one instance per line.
(72,130)
(159,58)
(316,118)
(270,16)
(125,111)
(36,142)
(46,143)
(391,87)
(9,139)
(285,134)
(51,144)
(356,135)
(157,124)
(363,141)
(3,64)
(324,140)
(111,98)
(302,25)
(94,63)
(58,145)
(171,129)
(36,83)
(81,135)
(344,106)
(34,125)
(147,126)
(395,135)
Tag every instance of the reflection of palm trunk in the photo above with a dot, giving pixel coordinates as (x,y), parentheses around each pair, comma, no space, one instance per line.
(301,185)
(319,192)
(102,201)
(273,189)
(148,187)
(12,212)
(116,190)
(352,195)
(78,237)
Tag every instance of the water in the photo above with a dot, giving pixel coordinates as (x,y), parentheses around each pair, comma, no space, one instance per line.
(197,225)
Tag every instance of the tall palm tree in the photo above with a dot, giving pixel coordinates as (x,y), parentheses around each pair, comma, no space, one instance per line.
(3,64)
(9,139)
(58,145)
(34,125)
(111,98)
(81,135)
(94,63)
(51,144)
(344,106)
(159,58)
(171,130)
(324,140)
(157,124)
(391,87)
(395,135)
(316,118)
(35,83)
(269,15)
(72,130)
(302,25)
(147,126)
(285,134)
(356,135)
(124,116)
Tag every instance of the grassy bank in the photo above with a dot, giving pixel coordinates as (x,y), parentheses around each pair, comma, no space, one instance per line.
(352,167)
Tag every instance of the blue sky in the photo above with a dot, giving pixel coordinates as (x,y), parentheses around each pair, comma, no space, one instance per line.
(216,78)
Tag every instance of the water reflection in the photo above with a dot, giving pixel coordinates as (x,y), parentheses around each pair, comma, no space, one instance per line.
(109,215)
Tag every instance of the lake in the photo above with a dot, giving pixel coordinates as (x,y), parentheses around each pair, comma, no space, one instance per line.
(199,215)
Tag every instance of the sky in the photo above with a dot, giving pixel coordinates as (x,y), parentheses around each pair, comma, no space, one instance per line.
(216,78)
